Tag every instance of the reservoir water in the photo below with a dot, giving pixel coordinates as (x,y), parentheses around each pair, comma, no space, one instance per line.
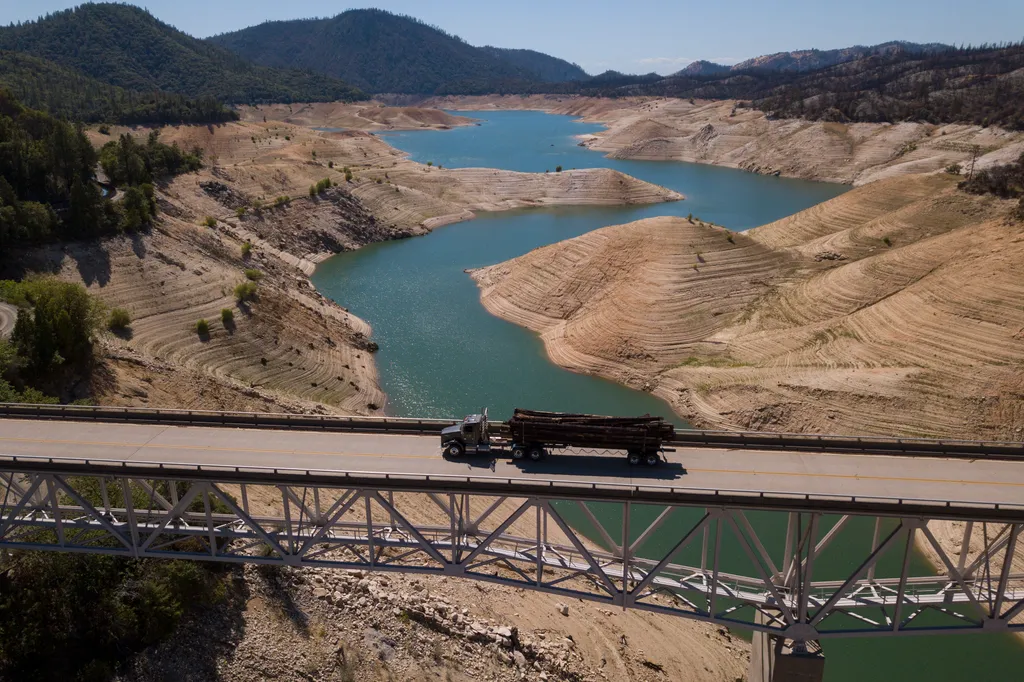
(441,354)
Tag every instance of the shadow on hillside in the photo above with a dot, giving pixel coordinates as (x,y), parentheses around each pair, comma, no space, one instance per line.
(209,634)
(282,598)
(93,263)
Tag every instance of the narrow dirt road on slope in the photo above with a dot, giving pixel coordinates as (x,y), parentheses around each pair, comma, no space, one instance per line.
(8,315)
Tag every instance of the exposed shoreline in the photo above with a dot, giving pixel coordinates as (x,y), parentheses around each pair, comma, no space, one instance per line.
(725,134)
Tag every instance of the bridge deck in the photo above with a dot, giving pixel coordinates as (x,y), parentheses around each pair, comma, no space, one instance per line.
(979,482)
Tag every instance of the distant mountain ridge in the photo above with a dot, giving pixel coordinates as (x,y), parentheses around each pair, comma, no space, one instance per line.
(810,60)
(549,69)
(383,52)
(126,46)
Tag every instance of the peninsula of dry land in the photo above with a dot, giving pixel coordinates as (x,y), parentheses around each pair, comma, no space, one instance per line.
(892,309)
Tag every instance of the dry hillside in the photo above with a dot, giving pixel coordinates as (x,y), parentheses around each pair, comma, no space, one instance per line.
(289,348)
(895,308)
(725,134)
(353,116)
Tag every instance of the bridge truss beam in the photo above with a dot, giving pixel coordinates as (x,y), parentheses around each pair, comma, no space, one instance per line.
(799,575)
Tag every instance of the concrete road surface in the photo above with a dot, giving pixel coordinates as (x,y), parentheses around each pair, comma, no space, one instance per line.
(979,481)
(8,316)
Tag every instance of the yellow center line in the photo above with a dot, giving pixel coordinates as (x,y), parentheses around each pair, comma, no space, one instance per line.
(314,453)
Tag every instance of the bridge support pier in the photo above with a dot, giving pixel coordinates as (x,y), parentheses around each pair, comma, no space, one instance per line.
(771,660)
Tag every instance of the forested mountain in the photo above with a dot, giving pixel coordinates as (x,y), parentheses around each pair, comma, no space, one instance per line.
(126,46)
(811,60)
(381,52)
(549,69)
(72,95)
(703,68)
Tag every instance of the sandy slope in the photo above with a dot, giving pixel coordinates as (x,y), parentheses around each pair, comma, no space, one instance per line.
(355,116)
(722,133)
(768,331)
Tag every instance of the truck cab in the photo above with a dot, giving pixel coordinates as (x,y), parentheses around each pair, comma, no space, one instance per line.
(472,435)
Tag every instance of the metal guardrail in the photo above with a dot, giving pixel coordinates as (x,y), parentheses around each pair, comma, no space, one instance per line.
(587,491)
(963,449)
(246,420)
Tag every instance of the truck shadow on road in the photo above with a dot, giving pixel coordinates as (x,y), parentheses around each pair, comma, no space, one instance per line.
(598,465)
(572,465)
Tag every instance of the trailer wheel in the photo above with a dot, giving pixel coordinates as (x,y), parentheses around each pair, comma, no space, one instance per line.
(651,459)
(518,452)
(454,449)
(536,454)
(633,458)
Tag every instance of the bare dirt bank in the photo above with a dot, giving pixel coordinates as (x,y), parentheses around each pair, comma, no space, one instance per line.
(892,309)
(355,116)
(723,133)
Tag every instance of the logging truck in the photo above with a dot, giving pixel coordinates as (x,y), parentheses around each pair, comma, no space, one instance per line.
(532,434)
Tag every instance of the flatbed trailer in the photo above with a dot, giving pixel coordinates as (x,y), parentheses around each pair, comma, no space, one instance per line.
(532,434)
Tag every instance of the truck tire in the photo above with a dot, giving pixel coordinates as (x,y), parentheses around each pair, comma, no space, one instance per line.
(455,449)
(651,459)
(518,452)
(633,458)
(536,454)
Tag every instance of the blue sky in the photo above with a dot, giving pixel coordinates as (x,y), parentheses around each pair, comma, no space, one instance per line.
(634,36)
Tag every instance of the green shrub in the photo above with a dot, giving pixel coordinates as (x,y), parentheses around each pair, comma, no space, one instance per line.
(330,164)
(240,211)
(209,221)
(348,175)
(558,169)
(55,325)
(245,291)
(119,319)
(104,130)
(246,249)
(227,317)
(203,328)
(253,274)
(282,200)
(429,164)
(954,169)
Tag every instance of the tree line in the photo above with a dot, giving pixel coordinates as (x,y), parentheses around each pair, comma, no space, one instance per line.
(73,96)
(47,185)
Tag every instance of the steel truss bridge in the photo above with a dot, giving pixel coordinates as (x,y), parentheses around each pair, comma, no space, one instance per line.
(796,564)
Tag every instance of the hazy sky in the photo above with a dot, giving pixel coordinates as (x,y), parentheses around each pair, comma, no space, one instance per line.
(634,36)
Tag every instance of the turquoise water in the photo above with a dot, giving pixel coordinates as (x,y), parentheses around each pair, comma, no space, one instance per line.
(441,354)
(533,142)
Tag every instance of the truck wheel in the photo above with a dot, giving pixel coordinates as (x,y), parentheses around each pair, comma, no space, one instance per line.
(518,452)
(454,450)
(633,458)
(651,459)
(536,454)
